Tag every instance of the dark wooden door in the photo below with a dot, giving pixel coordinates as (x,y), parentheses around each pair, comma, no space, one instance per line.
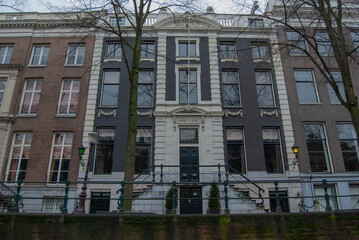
(191,200)
(189,164)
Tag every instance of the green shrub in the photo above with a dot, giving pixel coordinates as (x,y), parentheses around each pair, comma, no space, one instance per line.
(169,197)
(213,203)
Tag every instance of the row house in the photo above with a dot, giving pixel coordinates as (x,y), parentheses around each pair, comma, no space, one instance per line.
(211,91)
(44,72)
(323,127)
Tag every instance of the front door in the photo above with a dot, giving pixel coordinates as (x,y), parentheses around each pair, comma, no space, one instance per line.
(189,164)
(100,201)
(191,200)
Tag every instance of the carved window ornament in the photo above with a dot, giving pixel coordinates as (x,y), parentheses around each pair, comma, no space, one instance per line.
(227,113)
(269,114)
(107,114)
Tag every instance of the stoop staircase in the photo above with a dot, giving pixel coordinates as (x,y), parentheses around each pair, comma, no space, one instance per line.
(7,197)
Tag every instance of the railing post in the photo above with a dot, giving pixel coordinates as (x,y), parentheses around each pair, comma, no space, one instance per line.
(219,172)
(277,198)
(326,196)
(17,196)
(161,173)
(153,172)
(120,201)
(66,198)
(227,172)
(174,198)
(226,211)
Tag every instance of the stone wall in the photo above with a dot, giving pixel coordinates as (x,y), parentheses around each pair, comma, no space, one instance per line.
(335,225)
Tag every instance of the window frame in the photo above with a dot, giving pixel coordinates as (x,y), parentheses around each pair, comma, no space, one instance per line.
(107,53)
(52,204)
(121,21)
(71,91)
(33,91)
(323,42)
(6,54)
(278,143)
(76,57)
(149,148)
(194,41)
(38,64)
(152,84)
(355,37)
(352,139)
(20,158)
(237,142)
(105,84)
(253,23)
(227,43)
(324,142)
(332,95)
(226,70)
(3,82)
(271,85)
(51,158)
(148,54)
(198,81)
(313,81)
(256,50)
(330,187)
(95,170)
(354,190)
(295,51)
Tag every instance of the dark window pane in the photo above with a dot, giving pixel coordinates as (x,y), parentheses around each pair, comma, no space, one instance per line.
(349,146)
(188,136)
(143,150)
(104,151)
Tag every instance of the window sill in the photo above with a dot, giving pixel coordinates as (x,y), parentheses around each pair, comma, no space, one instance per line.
(112,60)
(36,66)
(310,103)
(152,59)
(229,60)
(261,60)
(22,115)
(73,65)
(101,175)
(232,107)
(197,59)
(144,107)
(65,115)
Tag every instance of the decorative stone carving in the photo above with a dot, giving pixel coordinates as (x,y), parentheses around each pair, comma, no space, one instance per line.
(269,114)
(107,114)
(149,113)
(233,114)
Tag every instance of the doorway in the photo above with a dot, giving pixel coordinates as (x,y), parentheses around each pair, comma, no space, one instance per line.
(191,200)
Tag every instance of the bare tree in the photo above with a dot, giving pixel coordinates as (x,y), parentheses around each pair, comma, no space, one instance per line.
(332,48)
(96,15)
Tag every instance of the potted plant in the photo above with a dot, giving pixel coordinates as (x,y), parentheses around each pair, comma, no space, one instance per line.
(214,205)
(169,197)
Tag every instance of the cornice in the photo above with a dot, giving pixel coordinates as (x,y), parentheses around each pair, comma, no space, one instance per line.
(11,67)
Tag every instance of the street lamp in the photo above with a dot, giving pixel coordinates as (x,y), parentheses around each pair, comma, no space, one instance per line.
(93,138)
(81,153)
(295,150)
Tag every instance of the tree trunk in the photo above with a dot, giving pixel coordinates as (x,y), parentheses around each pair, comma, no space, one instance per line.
(132,123)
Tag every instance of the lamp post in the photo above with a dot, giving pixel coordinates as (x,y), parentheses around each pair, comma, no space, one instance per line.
(93,138)
(295,150)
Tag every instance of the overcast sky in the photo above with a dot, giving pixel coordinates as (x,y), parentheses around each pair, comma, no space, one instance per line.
(220,6)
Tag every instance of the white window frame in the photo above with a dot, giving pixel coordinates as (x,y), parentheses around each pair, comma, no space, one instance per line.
(244,145)
(71,92)
(111,58)
(61,157)
(252,22)
(354,190)
(52,204)
(78,46)
(322,198)
(103,84)
(147,58)
(295,42)
(256,45)
(314,83)
(230,84)
(117,21)
(330,53)
(4,80)
(32,91)
(185,40)
(6,54)
(272,87)
(38,64)
(192,67)
(330,168)
(22,145)
(280,147)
